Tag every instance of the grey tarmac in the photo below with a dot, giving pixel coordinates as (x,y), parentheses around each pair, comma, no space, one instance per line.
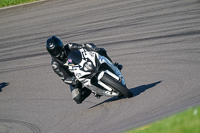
(157,41)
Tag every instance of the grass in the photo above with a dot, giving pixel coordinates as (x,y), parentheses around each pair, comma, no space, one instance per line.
(184,122)
(5,3)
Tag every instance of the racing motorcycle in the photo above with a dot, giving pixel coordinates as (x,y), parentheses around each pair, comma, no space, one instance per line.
(97,73)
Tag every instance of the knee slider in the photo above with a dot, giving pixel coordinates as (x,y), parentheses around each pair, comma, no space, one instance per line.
(78,99)
(76,96)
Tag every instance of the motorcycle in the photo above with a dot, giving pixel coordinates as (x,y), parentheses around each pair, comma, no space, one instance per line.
(97,73)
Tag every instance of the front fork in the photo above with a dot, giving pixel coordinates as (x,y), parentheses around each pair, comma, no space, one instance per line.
(110,91)
(117,72)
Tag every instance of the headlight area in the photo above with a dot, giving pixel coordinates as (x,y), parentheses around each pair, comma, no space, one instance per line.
(88,66)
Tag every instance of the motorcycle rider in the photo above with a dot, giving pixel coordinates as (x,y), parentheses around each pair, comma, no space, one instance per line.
(59,54)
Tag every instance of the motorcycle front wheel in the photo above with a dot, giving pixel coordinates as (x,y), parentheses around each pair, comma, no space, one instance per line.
(115,84)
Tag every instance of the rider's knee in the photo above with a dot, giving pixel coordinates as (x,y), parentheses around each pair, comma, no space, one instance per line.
(76,96)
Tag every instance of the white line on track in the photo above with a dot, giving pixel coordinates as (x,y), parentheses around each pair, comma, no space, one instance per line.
(3,8)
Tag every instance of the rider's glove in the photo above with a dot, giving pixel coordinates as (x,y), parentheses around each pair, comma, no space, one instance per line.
(90,47)
(75,81)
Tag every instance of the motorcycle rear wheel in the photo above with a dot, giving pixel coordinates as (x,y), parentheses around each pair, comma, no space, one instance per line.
(115,84)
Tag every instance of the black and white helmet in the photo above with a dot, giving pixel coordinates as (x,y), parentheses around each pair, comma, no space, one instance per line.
(54,46)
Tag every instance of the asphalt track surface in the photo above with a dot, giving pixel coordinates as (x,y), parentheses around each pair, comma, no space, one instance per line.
(157,41)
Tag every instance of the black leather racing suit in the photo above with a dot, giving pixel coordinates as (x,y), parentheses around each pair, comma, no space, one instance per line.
(62,71)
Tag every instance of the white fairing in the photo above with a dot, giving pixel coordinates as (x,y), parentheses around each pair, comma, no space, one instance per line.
(81,71)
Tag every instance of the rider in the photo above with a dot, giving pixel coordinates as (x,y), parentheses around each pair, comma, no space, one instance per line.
(59,54)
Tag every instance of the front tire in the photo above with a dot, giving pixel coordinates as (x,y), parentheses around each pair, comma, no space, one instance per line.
(109,80)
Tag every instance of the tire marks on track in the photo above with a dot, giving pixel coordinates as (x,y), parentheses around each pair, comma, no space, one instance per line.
(17,126)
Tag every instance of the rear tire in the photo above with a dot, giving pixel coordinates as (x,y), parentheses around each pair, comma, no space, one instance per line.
(108,80)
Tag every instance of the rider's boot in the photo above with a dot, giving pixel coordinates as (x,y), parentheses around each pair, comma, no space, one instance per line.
(85,93)
(79,95)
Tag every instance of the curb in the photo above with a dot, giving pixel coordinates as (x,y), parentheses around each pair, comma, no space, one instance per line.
(29,3)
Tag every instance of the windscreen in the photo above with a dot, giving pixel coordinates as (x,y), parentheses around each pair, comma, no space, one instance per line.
(75,56)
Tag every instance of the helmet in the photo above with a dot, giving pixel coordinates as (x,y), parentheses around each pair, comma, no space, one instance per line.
(54,46)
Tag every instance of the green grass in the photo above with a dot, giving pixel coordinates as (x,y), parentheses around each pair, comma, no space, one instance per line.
(5,3)
(184,122)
